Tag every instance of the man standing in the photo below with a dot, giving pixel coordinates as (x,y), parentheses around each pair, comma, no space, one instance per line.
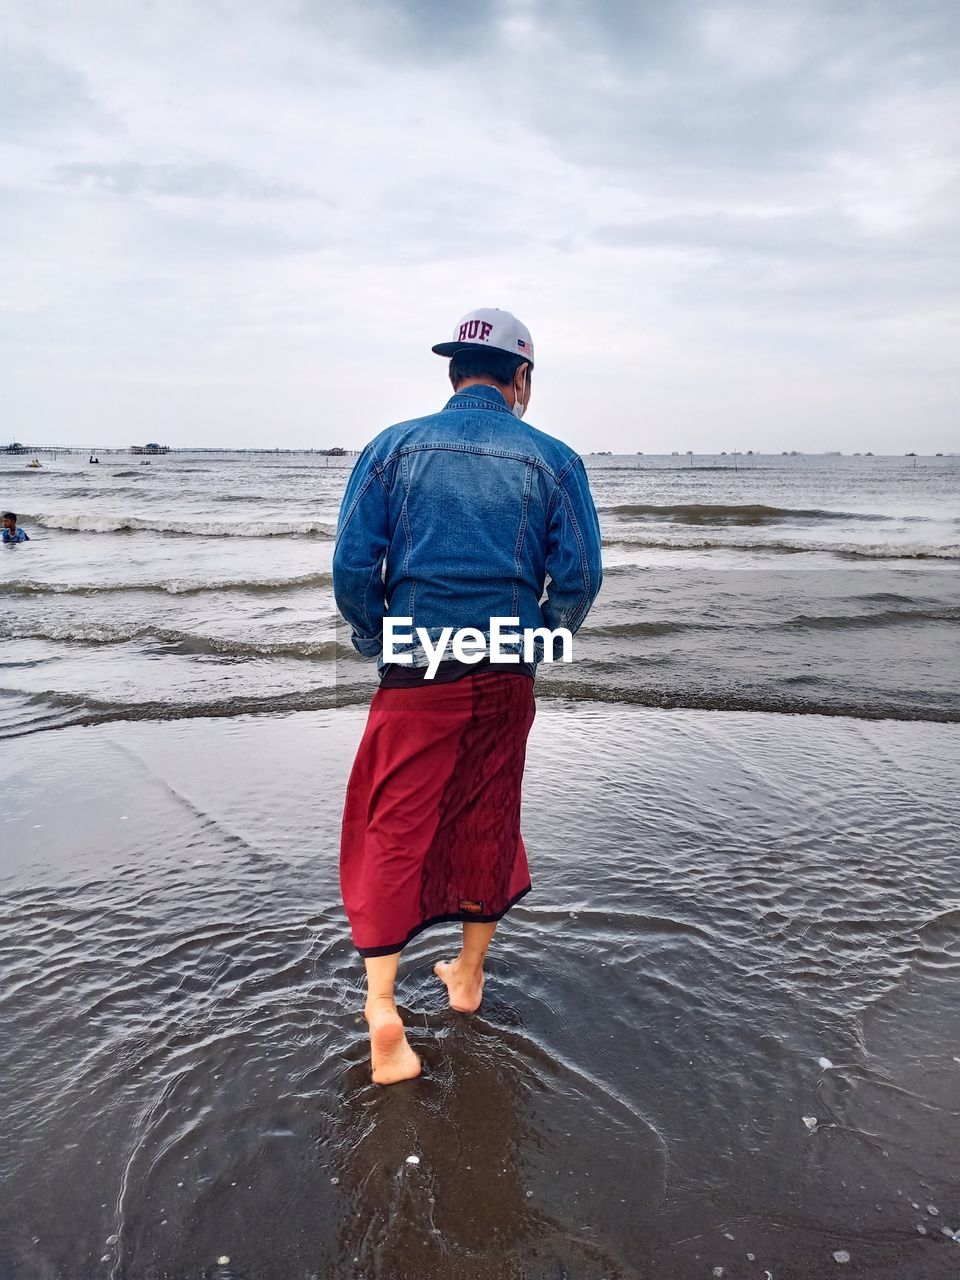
(450,521)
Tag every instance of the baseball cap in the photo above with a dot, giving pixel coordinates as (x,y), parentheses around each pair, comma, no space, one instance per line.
(489,327)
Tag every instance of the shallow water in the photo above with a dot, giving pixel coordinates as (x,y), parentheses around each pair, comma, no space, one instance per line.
(200,585)
(720,900)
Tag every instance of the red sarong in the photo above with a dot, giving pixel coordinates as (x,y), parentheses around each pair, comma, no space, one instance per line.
(431,822)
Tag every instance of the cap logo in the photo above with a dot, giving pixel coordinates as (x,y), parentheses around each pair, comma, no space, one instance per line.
(471,329)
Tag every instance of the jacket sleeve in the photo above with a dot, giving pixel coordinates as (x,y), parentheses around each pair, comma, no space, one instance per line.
(573,551)
(363,535)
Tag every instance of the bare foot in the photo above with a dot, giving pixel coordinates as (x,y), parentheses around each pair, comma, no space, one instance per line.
(391,1057)
(465,988)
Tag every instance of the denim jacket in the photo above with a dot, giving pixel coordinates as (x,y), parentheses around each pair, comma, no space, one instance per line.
(461,516)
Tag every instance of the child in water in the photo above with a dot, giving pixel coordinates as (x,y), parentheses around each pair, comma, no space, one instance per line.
(10,531)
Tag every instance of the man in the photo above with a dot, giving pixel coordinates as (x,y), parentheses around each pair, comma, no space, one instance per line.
(452,520)
(10,531)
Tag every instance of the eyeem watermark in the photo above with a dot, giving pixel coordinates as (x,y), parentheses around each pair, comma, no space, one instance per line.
(470,644)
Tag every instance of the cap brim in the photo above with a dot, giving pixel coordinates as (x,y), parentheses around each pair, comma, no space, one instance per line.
(450,349)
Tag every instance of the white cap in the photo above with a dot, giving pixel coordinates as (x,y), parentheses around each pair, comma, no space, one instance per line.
(489,327)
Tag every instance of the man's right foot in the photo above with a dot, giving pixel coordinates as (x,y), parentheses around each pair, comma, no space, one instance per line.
(391,1058)
(465,987)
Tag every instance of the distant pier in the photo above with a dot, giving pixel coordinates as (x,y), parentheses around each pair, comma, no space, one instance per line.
(19,450)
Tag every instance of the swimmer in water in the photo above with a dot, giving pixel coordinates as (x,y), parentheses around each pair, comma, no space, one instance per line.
(10,531)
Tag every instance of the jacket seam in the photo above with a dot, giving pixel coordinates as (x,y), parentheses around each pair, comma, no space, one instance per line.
(522,531)
(580,611)
(405,515)
(567,467)
(375,472)
(480,451)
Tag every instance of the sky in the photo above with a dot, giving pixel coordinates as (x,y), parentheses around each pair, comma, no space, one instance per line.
(727,225)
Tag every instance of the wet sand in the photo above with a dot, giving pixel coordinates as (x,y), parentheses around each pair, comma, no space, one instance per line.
(720,901)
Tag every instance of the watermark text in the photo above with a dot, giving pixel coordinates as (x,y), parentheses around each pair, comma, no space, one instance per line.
(470,644)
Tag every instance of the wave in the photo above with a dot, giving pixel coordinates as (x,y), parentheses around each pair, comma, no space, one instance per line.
(191,643)
(82,522)
(813,622)
(22,714)
(171,586)
(647,629)
(887,597)
(884,618)
(847,550)
(790,700)
(748,514)
(91,490)
(34,713)
(185,643)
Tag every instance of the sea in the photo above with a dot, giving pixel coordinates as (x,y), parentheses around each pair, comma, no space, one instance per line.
(200,585)
(719,1038)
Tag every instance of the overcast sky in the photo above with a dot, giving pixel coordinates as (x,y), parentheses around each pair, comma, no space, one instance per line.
(726,225)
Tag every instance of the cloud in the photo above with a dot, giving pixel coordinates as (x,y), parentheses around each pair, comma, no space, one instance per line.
(198,181)
(244,207)
(41,95)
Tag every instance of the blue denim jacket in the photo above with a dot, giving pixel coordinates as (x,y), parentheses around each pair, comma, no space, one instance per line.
(462,516)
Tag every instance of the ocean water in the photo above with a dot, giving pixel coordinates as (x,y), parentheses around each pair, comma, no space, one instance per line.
(722,1030)
(200,584)
(720,1037)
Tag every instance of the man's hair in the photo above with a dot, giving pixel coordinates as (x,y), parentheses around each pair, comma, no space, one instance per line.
(8,515)
(475,362)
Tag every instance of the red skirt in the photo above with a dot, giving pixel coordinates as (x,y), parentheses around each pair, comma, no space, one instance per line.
(431,822)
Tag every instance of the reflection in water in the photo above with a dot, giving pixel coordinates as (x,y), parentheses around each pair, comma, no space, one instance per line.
(720,901)
(503,1168)
(465,1126)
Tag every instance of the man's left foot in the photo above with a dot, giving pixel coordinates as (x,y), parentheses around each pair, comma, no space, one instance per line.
(464,988)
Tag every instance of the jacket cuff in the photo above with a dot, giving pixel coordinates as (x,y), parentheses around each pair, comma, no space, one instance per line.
(368,646)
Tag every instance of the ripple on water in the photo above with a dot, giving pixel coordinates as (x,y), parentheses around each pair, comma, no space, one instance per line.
(718,904)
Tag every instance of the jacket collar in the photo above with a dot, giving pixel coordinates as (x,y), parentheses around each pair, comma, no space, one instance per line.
(478,396)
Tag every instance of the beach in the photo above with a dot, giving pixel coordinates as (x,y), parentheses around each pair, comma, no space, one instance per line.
(722,1031)
(185,1065)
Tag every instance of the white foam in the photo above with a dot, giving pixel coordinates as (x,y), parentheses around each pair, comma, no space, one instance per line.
(681,541)
(90,522)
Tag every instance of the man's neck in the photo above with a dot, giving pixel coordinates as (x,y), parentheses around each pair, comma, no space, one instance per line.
(506,391)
